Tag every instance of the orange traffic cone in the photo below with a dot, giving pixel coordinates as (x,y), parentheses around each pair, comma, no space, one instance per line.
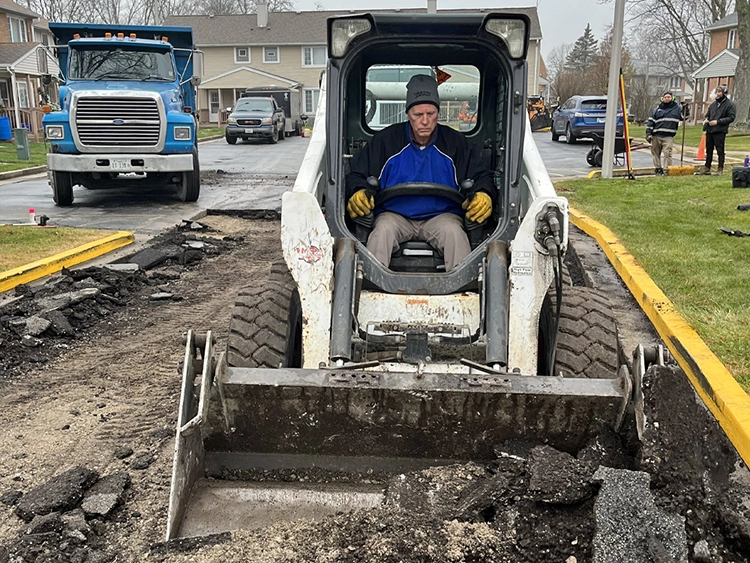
(702,148)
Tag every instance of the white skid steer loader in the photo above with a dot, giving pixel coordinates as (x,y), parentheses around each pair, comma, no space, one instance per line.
(338,367)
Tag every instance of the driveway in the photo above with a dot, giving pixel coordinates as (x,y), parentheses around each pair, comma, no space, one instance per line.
(248,175)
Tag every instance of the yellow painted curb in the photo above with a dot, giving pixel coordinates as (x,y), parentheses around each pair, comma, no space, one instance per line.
(715,385)
(47,266)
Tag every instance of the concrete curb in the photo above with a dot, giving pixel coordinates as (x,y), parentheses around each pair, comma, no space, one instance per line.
(52,264)
(623,172)
(715,385)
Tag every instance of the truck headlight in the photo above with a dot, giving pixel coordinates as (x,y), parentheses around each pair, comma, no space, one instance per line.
(232,121)
(266,121)
(182,133)
(54,132)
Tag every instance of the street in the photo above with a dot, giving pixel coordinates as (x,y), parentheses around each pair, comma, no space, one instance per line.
(248,175)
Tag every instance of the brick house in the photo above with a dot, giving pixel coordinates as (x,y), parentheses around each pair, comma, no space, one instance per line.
(723,54)
(286,49)
(23,63)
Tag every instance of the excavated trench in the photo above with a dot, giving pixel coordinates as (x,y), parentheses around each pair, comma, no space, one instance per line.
(98,396)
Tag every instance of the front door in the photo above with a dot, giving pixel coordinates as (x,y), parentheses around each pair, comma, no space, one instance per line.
(213,106)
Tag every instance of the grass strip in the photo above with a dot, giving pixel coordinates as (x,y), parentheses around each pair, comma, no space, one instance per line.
(23,244)
(735,141)
(671,226)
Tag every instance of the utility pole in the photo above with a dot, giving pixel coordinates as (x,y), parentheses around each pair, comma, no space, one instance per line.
(613,88)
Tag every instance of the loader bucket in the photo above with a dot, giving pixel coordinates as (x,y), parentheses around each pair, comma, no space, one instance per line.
(336,430)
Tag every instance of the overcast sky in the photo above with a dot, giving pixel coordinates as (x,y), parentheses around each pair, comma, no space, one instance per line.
(563,21)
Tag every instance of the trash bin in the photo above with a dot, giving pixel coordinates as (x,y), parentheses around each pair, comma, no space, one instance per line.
(5,134)
(23,150)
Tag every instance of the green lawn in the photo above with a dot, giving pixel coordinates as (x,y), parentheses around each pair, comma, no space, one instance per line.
(671,226)
(22,244)
(736,141)
(9,158)
(210,132)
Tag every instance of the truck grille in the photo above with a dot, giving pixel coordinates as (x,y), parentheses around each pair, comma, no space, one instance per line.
(248,122)
(118,122)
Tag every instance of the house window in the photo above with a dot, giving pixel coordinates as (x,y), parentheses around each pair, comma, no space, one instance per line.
(17,30)
(4,98)
(23,95)
(270,54)
(675,82)
(311,100)
(732,39)
(242,54)
(314,56)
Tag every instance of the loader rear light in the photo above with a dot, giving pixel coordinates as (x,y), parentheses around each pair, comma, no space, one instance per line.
(512,32)
(344,31)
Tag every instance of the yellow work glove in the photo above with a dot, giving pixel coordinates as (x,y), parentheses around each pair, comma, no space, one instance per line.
(360,204)
(478,208)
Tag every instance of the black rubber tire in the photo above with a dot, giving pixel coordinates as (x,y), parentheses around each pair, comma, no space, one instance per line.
(298,130)
(569,137)
(274,138)
(266,325)
(555,136)
(190,188)
(590,160)
(599,158)
(62,188)
(587,341)
(231,140)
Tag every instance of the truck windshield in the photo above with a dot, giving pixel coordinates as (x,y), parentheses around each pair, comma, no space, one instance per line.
(121,64)
(247,104)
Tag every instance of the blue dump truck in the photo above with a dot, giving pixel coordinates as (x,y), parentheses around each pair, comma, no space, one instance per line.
(127,109)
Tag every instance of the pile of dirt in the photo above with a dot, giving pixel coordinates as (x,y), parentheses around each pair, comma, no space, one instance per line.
(683,495)
(43,321)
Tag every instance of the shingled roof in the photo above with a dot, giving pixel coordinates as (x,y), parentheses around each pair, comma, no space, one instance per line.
(11,52)
(12,7)
(297,28)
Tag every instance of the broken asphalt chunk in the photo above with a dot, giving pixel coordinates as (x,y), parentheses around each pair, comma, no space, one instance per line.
(62,492)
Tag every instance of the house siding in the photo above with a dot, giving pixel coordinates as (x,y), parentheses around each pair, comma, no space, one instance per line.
(718,42)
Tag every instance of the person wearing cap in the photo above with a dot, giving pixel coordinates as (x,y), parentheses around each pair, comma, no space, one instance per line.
(720,114)
(661,128)
(420,150)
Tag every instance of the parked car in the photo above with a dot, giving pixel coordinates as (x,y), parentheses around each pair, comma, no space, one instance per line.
(255,117)
(581,116)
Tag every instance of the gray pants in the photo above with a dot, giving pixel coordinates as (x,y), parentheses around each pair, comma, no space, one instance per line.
(444,232)
(659,144)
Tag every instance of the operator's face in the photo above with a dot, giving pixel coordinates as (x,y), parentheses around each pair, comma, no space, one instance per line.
(423,119)
(667,98)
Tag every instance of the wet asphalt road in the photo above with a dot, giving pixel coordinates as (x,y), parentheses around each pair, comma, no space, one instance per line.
(256,176)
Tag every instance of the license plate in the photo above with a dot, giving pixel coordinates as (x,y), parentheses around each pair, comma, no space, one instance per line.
(119,164)
(248,130)
(601,119)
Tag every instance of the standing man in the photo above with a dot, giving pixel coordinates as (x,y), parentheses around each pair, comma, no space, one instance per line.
(718,117)
(661,128)
(420,150)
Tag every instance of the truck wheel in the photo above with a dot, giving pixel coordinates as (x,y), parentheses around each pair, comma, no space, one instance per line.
(274,138)
(231,140)
(190,188)
(266,325)
(62,188)
(587,341)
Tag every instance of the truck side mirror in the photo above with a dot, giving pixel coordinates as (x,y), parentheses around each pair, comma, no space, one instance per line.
(195,80)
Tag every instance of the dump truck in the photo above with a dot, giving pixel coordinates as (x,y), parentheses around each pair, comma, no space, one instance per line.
(128,112)
(337,369)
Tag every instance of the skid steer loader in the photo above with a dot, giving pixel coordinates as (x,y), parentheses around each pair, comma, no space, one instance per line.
(338,369)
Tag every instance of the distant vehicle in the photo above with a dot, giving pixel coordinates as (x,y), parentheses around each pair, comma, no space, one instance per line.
(288,99)
(254,118)
(581,116)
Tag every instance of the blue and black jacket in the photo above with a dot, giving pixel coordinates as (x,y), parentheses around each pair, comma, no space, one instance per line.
(393,158)
(665,120)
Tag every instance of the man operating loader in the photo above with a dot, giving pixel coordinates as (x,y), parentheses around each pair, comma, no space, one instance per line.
(420,150)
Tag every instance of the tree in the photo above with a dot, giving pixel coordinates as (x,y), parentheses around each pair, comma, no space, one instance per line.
(742,74)
(581,56)
(598,73)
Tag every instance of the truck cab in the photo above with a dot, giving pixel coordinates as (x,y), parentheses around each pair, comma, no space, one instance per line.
(127,110)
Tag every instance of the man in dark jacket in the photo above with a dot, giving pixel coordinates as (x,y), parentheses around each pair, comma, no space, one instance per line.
(661,128)
(718,117)
(420,150)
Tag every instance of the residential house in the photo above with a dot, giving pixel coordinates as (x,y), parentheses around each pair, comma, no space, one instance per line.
(23,64)
(286,49)
(723,54)
(650,79)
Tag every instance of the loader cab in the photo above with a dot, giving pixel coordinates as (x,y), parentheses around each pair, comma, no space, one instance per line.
(479,63)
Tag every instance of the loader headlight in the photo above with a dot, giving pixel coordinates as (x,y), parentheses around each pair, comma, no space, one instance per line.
(343,31)
(182,134)
(512,32)
(54,132)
